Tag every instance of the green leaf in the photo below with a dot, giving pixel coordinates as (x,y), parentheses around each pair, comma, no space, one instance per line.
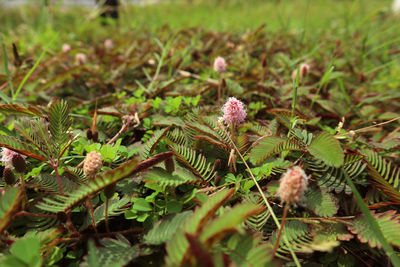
(321,202)
(59,123)
(164,229)
(178,246)
(140,204)
(112,253)
(21,147)
(325,147)
(101,181)
(174,206)
(9,203)
(229,221)
(389,223)
(272,145)
(27,250)
(19,110)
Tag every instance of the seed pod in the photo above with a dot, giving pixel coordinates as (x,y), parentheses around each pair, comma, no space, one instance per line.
(95,136)
(9,176)
(264,61)
(89,134)
(217,165)
(19,163)
(110,190)
(169,165)
(92,163)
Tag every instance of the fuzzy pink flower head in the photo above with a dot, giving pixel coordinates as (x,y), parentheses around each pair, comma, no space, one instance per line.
(81,58)
(220,65)
(304,69)
(66,48)
(108,44)
(234,111)
(7,156)
(292,186)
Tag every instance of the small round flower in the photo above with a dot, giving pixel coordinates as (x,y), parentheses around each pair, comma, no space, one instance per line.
(108,44)
(220,65)
(304,69)
(292,186)
(19,163)
(234,111)
(81,58)
(7,156)
(92,163)
(66,48)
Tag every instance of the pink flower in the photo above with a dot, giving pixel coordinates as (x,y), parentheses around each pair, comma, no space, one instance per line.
(234,111)
(304,68)
(292,185)
(220,65)
(7,156)
(108,44)
(81,58)
(66,48)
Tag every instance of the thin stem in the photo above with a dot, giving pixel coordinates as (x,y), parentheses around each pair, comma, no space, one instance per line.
(219,92)
(112,140)
(285,211)
(296,260)
(55,167)
(90,208)
(106,216)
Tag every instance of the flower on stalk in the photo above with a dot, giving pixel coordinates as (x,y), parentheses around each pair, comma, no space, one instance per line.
(220,65)
(292,186)
(108,44)
(304,69)
(7,156)
(234,111)
(92,163)
(81,58)
(66,48)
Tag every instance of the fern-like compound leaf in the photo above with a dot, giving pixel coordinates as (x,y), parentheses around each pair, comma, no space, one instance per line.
(384,173)
(325,147)
(178,246)
(195,161)
(272,145)
(9,203)
(321,202)
(389,223)
(59,123)
(101,181)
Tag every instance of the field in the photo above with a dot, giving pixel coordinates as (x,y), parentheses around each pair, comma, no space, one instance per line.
(201,133)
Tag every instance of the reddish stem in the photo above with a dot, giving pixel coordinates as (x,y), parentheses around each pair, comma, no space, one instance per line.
(285,211)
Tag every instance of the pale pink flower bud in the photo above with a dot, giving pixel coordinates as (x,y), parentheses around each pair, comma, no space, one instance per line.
(220,65)
(234,111)
(108,44)
(7,156)
(304,68)
(292,186)
(92,163)
(81,58)
(66,48)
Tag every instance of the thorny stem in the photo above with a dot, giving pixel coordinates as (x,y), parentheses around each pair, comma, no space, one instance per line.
(71,226)
(296,260)
(285,211)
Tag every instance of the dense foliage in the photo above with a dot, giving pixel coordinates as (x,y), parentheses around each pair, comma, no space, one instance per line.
(178,187)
